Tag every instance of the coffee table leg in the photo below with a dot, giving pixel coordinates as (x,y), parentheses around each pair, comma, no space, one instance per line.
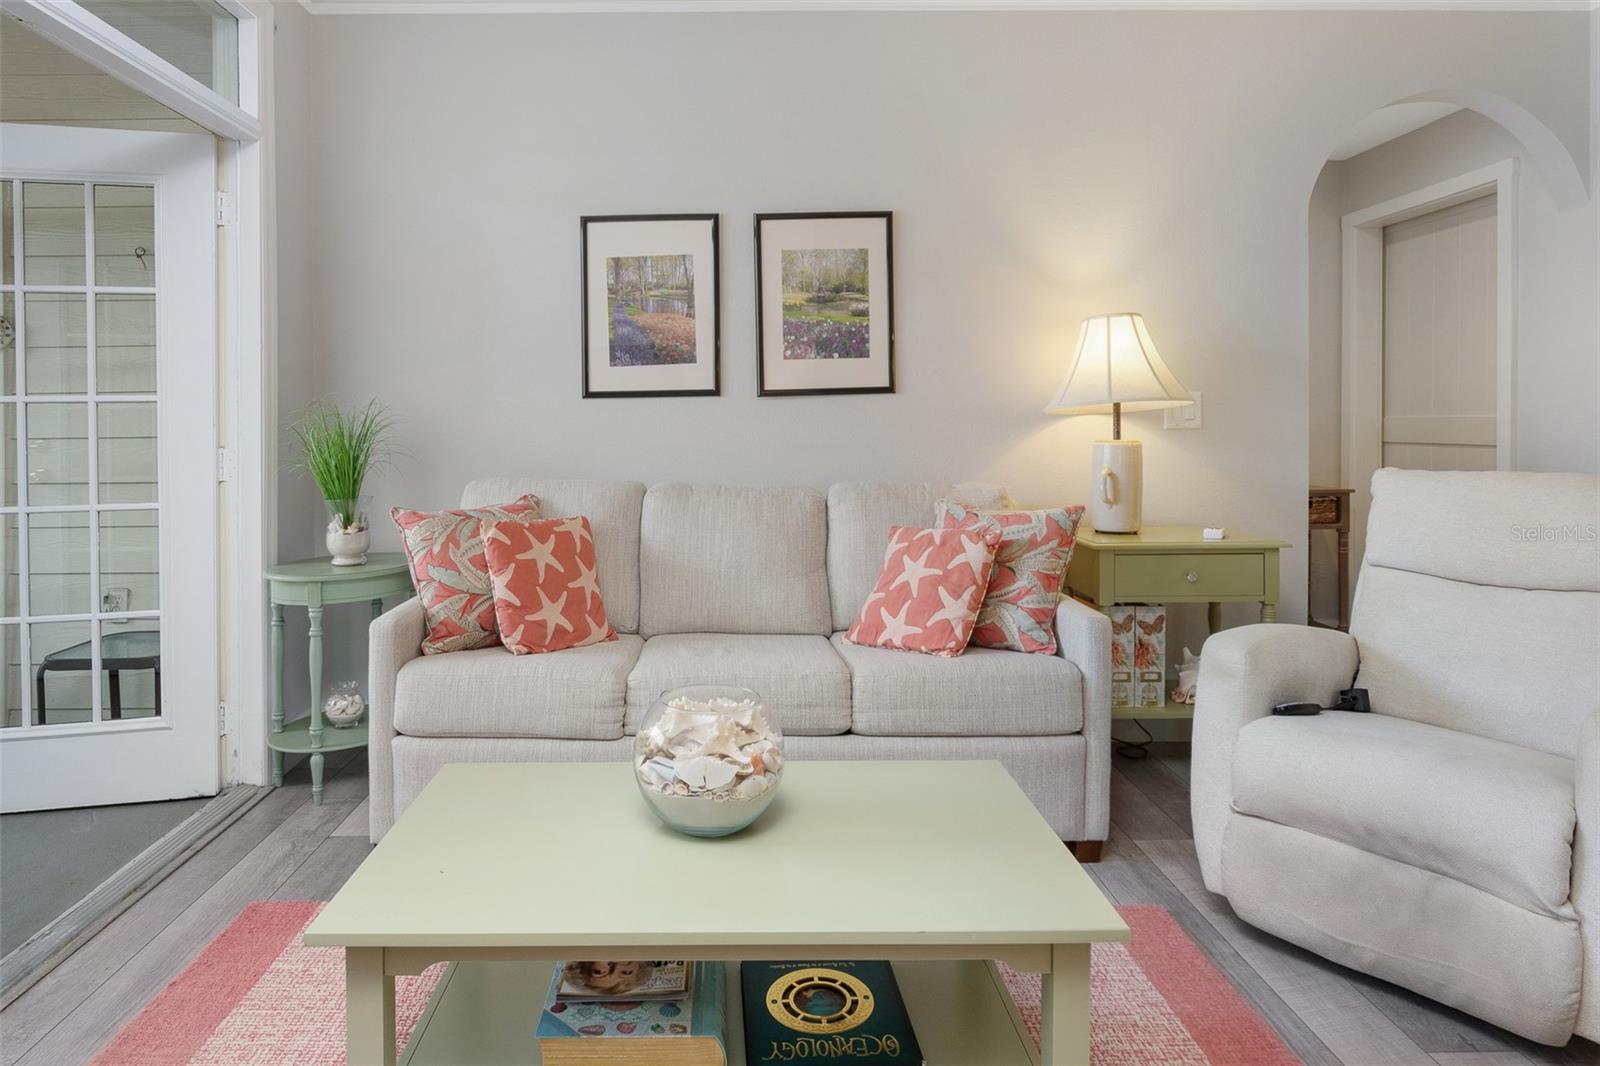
(369,1008)
(1065,1007)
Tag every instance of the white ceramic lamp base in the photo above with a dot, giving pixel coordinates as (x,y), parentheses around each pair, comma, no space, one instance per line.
(1118,486)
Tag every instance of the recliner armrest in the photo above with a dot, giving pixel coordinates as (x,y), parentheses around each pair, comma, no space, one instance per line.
(1586,873)
(1083,637)
(1244,673)
(393,639)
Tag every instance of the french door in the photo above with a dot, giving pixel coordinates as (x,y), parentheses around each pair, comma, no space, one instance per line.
(108,589)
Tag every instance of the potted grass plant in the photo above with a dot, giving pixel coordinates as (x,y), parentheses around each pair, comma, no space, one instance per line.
(338,449)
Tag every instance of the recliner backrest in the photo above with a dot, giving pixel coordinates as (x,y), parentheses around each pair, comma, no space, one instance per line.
(1478,604)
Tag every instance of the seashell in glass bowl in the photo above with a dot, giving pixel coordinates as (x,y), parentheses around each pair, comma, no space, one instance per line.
(708,759)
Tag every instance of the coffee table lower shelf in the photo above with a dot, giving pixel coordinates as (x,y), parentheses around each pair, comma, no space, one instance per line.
(484,1013)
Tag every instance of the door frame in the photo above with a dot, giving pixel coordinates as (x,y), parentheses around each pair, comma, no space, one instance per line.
(1361,335)
(247,466)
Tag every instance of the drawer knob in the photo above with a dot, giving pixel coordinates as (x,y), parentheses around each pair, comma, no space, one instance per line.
(1191,577)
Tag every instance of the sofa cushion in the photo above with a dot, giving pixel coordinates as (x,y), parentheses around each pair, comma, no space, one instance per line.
(859,517)
(983,693)
(575,694)
(546,589)
(717,559)
(1492,815)
(802,680)
(612,508)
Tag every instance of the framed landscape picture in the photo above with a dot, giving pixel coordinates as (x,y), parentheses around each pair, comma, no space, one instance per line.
(651,325)
(825,303)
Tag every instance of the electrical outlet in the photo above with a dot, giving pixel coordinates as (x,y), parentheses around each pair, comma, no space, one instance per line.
(115,601)
(1183,417)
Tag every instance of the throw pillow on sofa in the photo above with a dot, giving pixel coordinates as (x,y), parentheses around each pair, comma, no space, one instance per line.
(445,550)
(1030,565)
(928,593)
(546,590)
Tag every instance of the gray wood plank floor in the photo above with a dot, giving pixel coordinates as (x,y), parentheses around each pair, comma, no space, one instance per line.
(287,849)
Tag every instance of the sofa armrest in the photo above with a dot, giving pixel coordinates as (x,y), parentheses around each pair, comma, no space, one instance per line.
(1083,636)
(393,639)
(1586,874)
(1244,672)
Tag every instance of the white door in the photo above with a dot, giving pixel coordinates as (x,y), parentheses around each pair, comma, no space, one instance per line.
(108,591)
(1439,335)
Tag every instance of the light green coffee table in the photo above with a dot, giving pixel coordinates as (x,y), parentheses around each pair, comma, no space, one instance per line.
(941,867)
(315,584)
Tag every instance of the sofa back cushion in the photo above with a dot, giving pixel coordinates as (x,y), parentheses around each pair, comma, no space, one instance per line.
(719,559)
(612,508)
(1478,606)
(859,517)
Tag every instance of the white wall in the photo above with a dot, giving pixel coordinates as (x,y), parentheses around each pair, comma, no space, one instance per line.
(1042,167)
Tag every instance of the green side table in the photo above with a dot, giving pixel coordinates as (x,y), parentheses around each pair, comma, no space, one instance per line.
(1175,564)
(315,584)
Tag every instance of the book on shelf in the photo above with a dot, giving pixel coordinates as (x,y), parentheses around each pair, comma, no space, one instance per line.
(624,980)
(831,1011)
(689,1030)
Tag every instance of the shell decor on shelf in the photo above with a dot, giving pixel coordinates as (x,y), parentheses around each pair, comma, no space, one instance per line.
(1188,671)
(708,759)
(345,706)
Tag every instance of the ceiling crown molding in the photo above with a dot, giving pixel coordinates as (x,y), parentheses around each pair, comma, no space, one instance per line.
(645,7)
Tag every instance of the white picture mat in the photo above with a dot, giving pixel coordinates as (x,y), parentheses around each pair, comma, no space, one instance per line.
(791,234)
(609,240)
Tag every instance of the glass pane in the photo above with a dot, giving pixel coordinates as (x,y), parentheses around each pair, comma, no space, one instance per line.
(8,272)
(8,344)
(58,453)
(11,602)
(125,235)
(58,563)
(8,454)
(130,665)
(125,344)
(130,561)
(53,248)
(11,671)
(56,338)
(127,452)
(60,672)
(198,37)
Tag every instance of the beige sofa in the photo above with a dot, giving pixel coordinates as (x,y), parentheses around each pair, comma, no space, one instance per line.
(752,586)
(1449,841)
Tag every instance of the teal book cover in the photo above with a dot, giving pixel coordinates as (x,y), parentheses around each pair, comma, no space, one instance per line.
(835,1011)
(698,1014)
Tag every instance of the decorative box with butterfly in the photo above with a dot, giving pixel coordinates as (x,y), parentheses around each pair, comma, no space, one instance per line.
(1131,576)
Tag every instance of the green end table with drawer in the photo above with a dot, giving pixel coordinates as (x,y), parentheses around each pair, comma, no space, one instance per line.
(1175,564)
(315,584)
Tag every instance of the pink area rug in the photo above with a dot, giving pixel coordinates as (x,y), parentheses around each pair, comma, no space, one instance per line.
(257,996)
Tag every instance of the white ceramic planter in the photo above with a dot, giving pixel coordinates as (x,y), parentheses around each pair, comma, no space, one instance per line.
(349,548)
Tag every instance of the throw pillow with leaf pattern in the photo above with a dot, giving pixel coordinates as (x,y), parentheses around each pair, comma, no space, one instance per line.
(451,572)
(1030,566)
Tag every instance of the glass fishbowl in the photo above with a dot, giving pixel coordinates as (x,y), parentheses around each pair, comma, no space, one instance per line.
(708,759)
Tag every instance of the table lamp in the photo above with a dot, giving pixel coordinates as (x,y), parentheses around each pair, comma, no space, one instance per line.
(1116,367)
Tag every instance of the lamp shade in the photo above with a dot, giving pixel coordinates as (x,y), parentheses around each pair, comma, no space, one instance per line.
(1116,362)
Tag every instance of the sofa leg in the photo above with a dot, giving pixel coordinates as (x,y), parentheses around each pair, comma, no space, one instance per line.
(1085,850)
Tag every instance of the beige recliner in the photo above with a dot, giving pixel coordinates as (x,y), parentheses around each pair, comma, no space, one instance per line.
(1450,840)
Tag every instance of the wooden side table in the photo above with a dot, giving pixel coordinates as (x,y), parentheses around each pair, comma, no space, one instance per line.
(1329,508)
(1174,564)
(315,584)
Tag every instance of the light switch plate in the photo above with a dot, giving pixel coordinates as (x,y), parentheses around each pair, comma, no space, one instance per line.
(1183,417)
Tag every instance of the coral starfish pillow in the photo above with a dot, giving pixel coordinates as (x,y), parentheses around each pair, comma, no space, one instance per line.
(929,591)
(1019,610)
(546,591)
(445,549)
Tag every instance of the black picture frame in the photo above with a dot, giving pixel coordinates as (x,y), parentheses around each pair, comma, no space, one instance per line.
(762,388)
(589,390)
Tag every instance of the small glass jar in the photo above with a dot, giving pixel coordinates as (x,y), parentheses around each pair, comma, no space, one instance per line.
(344,706)
(708,759)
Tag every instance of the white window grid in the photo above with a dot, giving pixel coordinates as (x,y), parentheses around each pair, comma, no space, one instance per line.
(91,398)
